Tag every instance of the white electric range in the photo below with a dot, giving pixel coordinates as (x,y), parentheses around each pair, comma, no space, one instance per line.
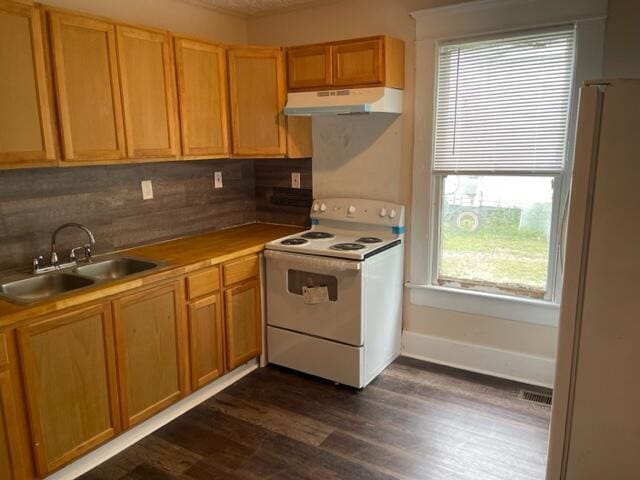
(334,292)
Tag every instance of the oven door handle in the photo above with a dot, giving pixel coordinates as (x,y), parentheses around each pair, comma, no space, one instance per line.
(315,262)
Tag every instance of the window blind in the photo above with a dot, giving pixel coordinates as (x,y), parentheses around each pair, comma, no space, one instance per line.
(503,105)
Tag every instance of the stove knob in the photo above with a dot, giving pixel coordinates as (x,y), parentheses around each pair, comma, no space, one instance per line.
(383,212)
(323,208)
(392,214)
(352,209)
(316,207)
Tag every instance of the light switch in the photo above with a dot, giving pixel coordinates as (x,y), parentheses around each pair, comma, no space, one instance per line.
(217,180)
(147,189)
(295,179)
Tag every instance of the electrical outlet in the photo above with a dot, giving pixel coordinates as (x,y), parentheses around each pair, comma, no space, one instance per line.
(147,189)
(295,179)
(217,179)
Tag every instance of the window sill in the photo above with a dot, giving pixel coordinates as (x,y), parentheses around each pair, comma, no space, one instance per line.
(539,312)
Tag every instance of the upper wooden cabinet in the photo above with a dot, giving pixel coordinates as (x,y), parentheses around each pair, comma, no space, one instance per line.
(309,67)
(257,91)
(26,127)
(203,98)
(147,79)
(374,61)
(151,351)
(299,137)
(88,88)
(128,94)
(358,63)
(70,381)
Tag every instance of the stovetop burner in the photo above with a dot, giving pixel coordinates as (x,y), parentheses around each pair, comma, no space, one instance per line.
(294,241)
(347,246)
(369,240)
(317,235)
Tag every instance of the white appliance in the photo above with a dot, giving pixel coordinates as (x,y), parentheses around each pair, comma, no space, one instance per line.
(345,101)
(334,292)
(595,422)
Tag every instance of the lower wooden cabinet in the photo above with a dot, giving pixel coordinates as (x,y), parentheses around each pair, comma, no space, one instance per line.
(151,349)
(243,319)
(69,372)
(206,340)
(15,463)
(93,371)
(9,457)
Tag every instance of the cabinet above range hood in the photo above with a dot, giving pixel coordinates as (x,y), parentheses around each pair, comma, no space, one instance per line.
(345,102)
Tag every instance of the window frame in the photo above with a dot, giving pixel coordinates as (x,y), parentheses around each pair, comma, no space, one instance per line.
(437,25)
(562,181)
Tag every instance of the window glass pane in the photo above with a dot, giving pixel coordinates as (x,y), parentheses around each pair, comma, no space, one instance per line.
(495,232)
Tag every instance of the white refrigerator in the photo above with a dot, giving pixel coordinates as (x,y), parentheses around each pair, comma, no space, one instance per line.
(595,424)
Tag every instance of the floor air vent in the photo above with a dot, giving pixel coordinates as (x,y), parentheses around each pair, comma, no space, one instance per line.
(535,397)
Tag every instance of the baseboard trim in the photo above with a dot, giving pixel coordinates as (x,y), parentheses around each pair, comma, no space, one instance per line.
(128,438)
(492,361)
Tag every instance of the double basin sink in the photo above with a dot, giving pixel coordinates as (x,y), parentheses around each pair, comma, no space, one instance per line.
(37,288)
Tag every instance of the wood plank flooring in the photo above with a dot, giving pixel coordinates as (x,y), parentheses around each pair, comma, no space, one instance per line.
(415,421)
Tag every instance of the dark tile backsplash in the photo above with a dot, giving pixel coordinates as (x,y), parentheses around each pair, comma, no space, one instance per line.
(276,201)
(108,200)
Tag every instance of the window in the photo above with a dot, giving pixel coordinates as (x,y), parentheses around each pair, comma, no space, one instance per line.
(500,161)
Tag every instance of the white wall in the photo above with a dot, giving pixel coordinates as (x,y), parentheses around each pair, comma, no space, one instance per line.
(373,156)
(622,41)
(174,15)
(369,156)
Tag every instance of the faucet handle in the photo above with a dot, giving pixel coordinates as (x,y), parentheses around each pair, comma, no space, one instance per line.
(54,259)
(36,263)
(73,256)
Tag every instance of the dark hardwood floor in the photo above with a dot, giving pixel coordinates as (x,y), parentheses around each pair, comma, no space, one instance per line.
(415,421)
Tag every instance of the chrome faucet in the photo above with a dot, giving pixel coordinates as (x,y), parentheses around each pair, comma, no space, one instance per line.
(54,263)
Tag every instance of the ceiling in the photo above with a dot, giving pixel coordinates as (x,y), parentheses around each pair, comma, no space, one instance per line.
(248,8)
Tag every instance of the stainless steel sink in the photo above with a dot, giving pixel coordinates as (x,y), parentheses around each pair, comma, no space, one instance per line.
(114,268)
(34,289)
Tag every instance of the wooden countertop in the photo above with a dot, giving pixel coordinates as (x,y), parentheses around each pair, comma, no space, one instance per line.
(180,256)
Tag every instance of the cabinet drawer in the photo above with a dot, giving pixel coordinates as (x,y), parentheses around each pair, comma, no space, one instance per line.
(203,282)
(4,352)
(239,270)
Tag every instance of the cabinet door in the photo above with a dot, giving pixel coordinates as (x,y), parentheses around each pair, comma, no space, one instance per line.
(257,90)
(150,350)
(147,80)
(88,88)
(13,460)
(26,131)
(358,63)
(10,459)
(202,94)
(244,323)
(70,383)
(309,67)
(299,137)
(206,340)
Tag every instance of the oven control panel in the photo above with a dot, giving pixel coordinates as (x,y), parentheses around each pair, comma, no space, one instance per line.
(358,210)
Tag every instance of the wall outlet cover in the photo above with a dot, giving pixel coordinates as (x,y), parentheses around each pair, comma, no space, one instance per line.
(295,179)
(147,189)
(217,180)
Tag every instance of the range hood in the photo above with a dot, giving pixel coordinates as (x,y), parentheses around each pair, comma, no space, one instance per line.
(345,102)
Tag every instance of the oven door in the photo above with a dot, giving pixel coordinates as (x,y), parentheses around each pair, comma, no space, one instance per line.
(336,316)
